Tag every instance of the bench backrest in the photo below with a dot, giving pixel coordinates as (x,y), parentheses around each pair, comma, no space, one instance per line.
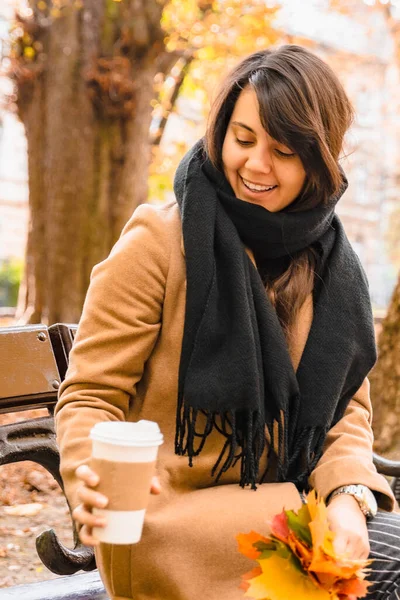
(34,360)
(29,376)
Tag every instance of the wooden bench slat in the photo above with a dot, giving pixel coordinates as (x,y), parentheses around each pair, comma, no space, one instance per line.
(85,586)
(28,366)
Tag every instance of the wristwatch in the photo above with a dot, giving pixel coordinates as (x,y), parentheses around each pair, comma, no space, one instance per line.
(365,498)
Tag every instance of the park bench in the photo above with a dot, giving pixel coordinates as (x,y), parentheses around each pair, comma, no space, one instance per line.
(33,362)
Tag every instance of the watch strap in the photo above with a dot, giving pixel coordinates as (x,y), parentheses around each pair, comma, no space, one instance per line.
(358,491)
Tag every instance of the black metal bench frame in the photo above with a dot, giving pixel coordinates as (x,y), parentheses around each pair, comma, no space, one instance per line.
(35,440)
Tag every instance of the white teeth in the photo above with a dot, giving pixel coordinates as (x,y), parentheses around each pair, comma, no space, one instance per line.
(257,188)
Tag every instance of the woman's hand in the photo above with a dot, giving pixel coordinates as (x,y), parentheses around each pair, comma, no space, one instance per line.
(90,499)
(350,526)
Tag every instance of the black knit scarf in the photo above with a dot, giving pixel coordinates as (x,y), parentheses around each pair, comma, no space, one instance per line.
(235,366)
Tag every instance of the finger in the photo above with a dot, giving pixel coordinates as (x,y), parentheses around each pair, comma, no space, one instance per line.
(357,548)
(155,485)
(84,517)
(88,476)
(362,550)
(87,538)
(340,543)
(91,498)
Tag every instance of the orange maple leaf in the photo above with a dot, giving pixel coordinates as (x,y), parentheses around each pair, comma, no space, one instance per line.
(353,587)
(300,549)
(246,541)
(250,575)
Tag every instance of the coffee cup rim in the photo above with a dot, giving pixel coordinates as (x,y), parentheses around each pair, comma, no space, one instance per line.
(122,432)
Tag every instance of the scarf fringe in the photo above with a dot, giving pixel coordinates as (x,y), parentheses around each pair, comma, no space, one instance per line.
(304,458)
(294,465)
(251,441)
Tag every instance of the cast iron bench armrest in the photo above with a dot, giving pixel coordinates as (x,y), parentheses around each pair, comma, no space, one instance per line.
(391,468)
(386,466)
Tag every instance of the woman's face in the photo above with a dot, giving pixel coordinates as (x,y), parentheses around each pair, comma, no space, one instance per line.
(259,169)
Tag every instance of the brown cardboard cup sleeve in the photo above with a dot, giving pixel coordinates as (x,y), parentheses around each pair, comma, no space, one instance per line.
(126,484)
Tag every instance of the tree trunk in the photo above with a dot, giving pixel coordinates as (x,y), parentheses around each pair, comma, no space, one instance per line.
(385,380)
(87,112)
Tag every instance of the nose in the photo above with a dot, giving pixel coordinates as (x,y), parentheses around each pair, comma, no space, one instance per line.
(259,161)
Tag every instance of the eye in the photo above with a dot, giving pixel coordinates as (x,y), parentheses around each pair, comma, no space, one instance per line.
(284,154)
(243,142)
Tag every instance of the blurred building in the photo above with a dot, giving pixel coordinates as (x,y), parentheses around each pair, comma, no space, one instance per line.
(360,49)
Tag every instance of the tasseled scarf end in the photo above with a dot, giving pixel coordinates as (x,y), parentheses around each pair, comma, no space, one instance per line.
(246,441)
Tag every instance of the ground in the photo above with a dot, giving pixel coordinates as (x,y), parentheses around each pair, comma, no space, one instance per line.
(21,484)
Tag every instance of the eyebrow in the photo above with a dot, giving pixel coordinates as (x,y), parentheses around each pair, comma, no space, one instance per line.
(244,126)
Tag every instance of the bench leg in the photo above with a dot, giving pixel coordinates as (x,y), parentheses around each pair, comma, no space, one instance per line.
(35,440)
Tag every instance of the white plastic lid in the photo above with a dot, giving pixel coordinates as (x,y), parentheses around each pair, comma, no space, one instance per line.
(122,433)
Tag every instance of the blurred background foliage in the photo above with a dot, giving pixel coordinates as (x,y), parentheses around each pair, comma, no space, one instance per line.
(11,271)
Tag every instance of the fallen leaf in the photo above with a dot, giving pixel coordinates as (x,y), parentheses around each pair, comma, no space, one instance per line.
(322,536)
(24,510)
(279,527)
(299,524)
(246,543)
(354,587)
(250,575)
(299,560)
(279,580)
(20,533)
(300,549)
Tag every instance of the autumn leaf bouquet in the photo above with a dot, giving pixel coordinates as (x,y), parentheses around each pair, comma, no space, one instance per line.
(298,560)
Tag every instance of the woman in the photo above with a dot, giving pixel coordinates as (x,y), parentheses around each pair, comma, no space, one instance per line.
(238,318)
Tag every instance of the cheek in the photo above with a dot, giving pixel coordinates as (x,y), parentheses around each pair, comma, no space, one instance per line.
(231,158)
(224,152)
(297,176)
(302,178)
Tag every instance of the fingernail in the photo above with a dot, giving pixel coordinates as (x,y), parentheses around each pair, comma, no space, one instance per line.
(100,523)
(102,501)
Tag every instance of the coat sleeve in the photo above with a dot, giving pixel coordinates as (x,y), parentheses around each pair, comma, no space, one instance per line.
(117,331)
(347,453)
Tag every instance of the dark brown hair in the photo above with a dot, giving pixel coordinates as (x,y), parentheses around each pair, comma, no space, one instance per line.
(302,105)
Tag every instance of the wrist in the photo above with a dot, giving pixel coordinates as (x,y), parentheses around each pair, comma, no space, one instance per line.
(361,494)
(345,501)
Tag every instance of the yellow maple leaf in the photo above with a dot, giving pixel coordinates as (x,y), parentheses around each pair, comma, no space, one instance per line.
(280,580)
(322,536)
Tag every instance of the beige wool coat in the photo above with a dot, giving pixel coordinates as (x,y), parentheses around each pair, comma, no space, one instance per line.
(124,366)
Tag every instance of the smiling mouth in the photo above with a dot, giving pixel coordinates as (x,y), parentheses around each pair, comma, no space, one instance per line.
(257,188)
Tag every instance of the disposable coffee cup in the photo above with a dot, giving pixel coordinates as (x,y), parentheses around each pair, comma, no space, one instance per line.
(124,456)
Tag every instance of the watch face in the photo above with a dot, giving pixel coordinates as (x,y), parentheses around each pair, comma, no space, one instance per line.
(368,500)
